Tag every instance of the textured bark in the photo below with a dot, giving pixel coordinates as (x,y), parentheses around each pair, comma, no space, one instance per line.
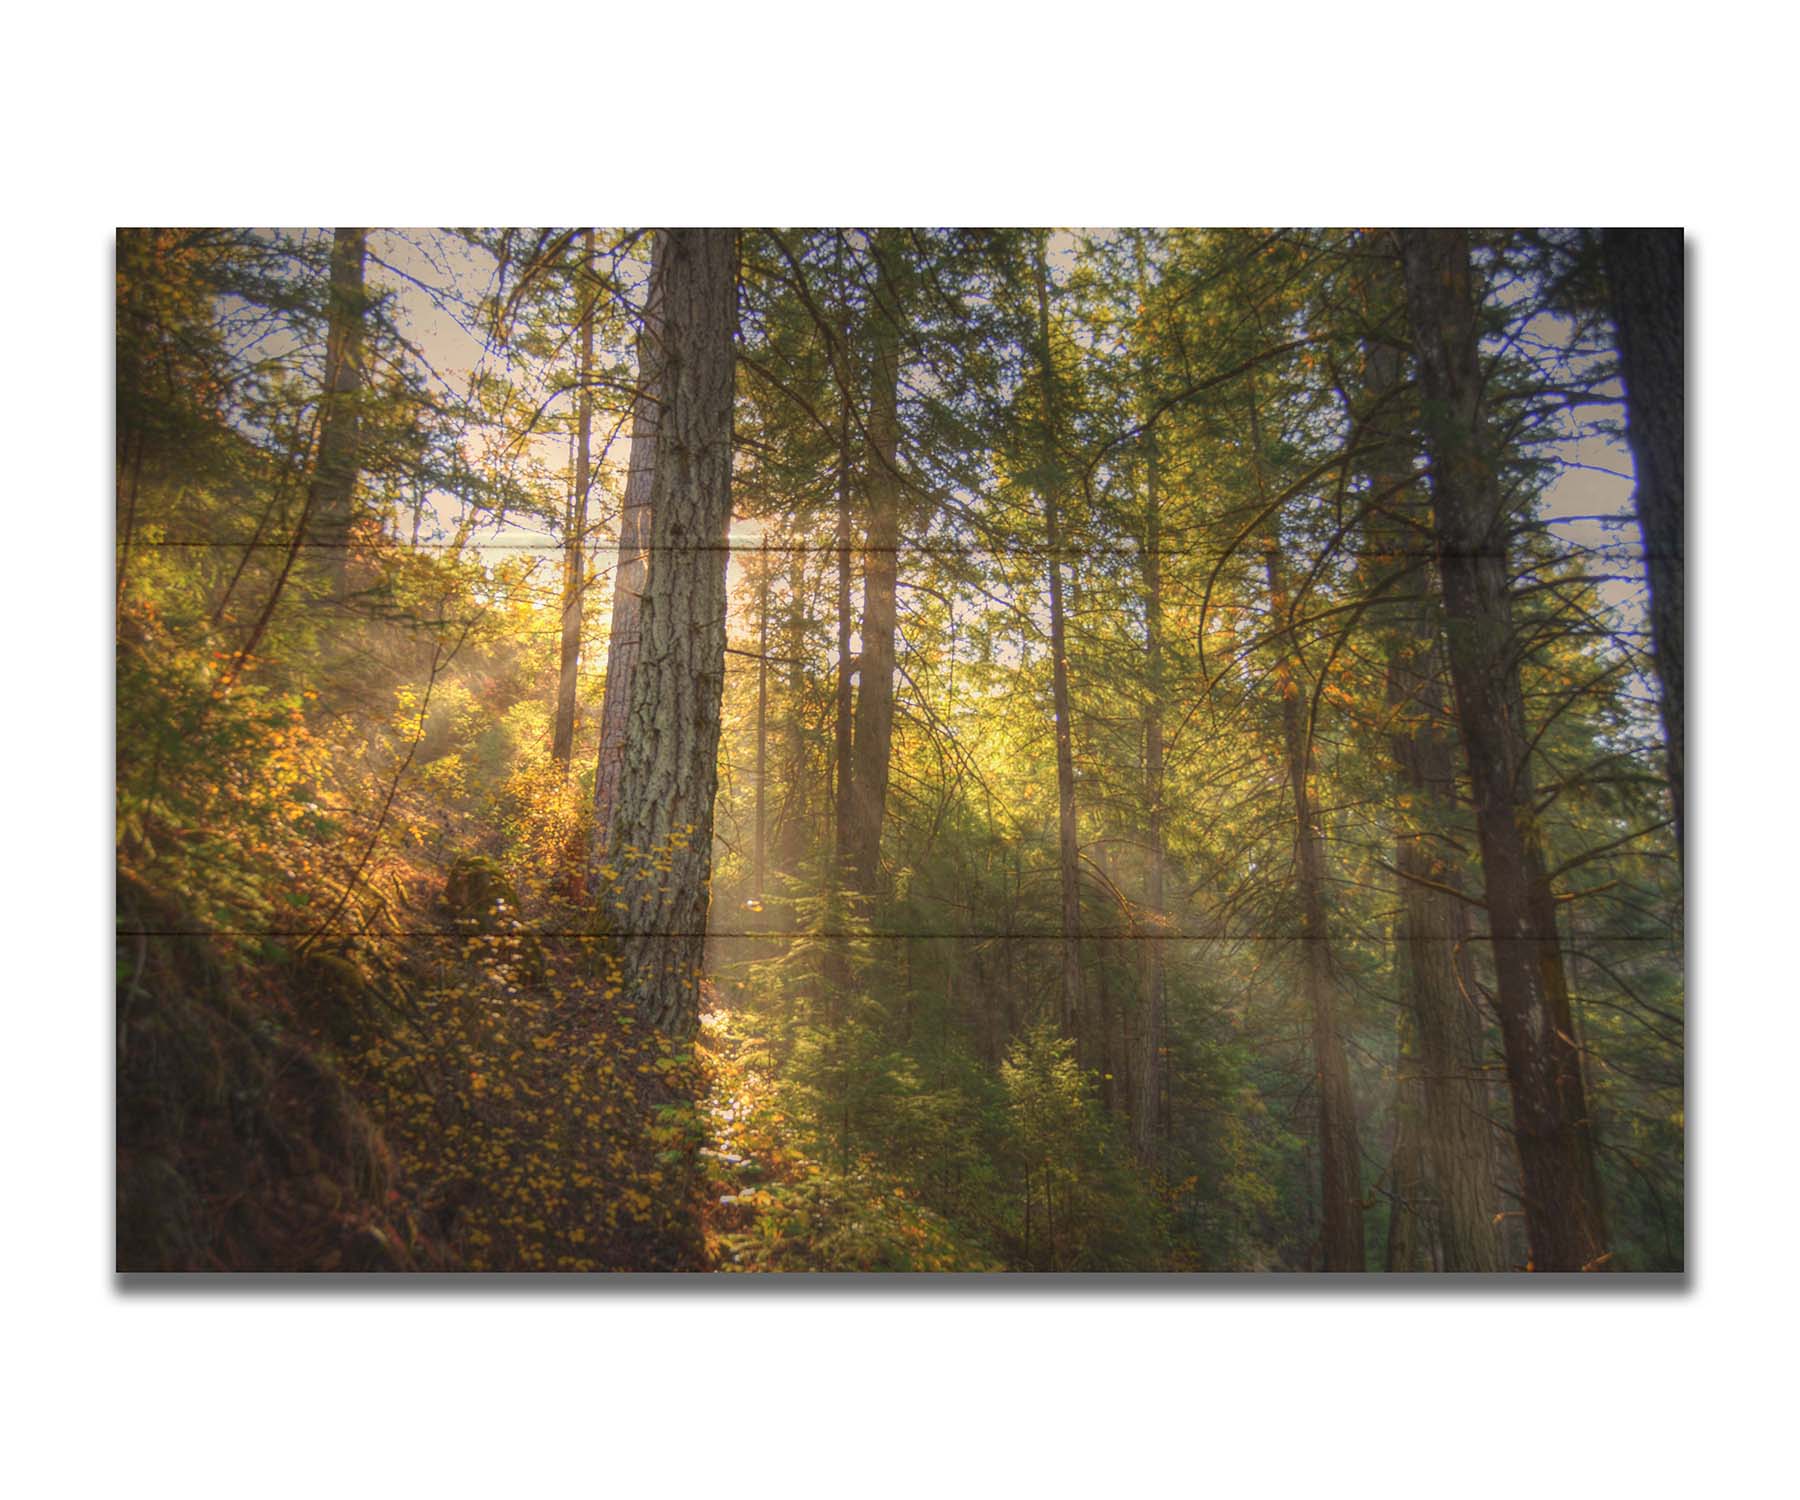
(629,569)
(1147,1069)
(1068,841)
(1340,1157)
(1411,1242)
(874,736)
(843,727)
(662,826)
(562,743)
(1550,1119)
(1646,270)
(1457,1195)
(1438,987)
(329,506)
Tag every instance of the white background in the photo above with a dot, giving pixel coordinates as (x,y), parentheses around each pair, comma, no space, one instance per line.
(964,113)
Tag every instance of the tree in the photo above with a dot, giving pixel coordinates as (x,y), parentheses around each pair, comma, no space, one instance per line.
(575,537)
(1068,838)
(1147,1066)
(1340,1163)
(635,527)
(1645,271)
(874,725)
(1551,1125)
(1457,1199)
(661,830)
(330,502)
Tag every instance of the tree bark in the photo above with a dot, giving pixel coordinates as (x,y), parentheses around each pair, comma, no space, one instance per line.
(630,566)
(340,420)
(874,729)
(1437,986)
(1068,841)
(662,827)
(562,745)
(1340,1157)
(1411,1240)
(843,724)
(1442,1069)
(1646,271)
(1561,1191)
(1147,1072)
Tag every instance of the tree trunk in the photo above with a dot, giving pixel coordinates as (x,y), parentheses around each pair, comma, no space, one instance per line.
(1561,1191)
(662,826)
(340,420)
(843,746)
(759,863)
(790,851)
(1453,1136)
(629,569)
(1437,980)
(1645,268)
(1103,1053)
(562,744)
(1068,841)
(875,679)
(1412,1217)
(835,960)
(1340,1157)
(1147,1071)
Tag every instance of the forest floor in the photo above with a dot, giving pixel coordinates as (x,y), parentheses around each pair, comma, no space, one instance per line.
(433,1100)
(464,1096)
(535,1126)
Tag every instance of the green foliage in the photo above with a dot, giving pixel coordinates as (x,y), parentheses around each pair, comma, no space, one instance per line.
(1082,1207)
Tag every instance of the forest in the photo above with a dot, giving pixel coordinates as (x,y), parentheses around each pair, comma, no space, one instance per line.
(899,749)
